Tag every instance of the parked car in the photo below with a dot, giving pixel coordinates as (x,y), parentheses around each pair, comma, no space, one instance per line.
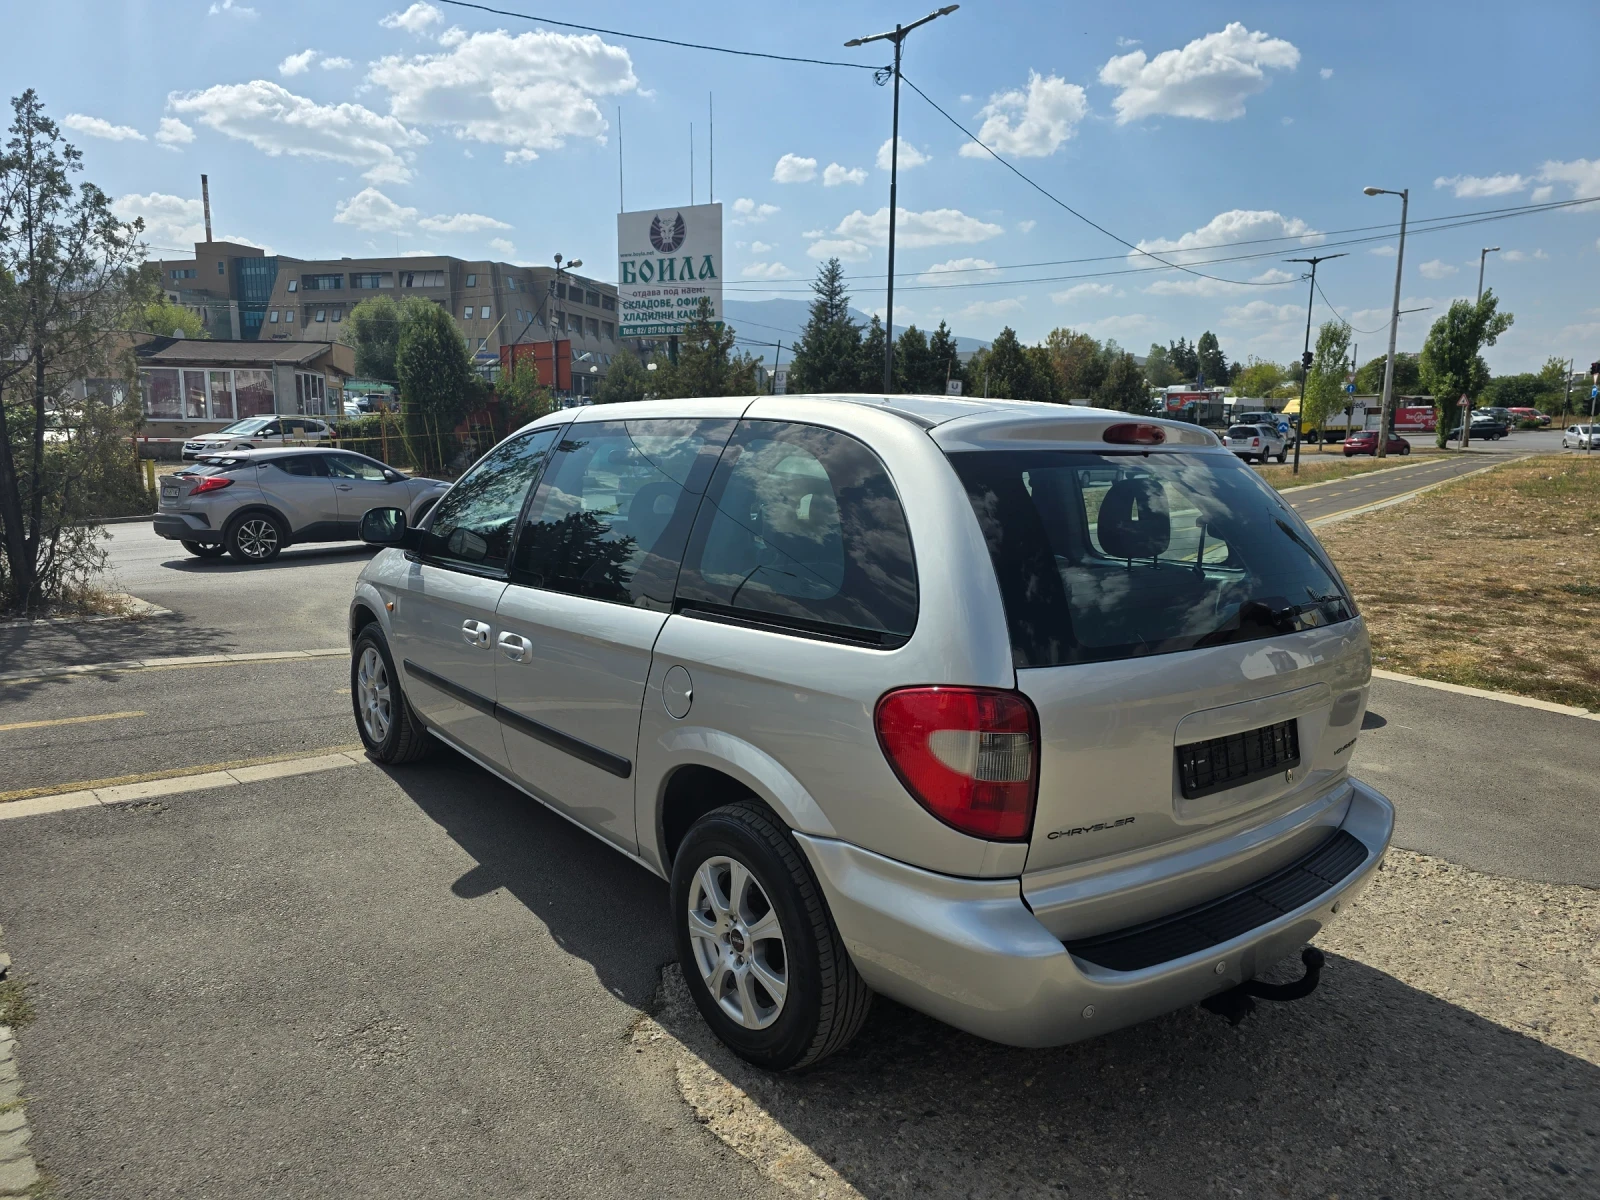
(1529,414)
(1579,436)
(254,433)
(251,504)
(1078,759)
(1365,441)
(1256,441)
(1268,418)
(1488,430)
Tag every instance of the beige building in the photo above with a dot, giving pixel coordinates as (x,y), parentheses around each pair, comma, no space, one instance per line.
(245,294)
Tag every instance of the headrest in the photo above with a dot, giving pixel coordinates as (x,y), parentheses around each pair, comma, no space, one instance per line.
(1134,521)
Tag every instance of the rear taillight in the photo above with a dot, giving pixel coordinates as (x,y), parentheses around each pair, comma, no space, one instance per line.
(211,483)
(970,756)
(1131,434)
(1255,441)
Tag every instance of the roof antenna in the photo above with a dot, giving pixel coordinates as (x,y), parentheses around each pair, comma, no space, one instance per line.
(205,199)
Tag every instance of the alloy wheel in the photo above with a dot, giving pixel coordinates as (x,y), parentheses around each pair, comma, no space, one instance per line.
(258,538)
(373,695)
(738,942)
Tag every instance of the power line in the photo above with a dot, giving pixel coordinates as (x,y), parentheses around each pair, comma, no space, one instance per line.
(644,37)
(1341,317)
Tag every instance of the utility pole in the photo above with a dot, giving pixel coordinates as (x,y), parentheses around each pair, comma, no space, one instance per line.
(555,319)
(1394,320)
(1594,398)
(1566,404)
(1307,357)
(1483,254)
(898,37)
(1466,409)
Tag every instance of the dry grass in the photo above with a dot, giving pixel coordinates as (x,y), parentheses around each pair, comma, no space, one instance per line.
(1323,468)
(1492,582)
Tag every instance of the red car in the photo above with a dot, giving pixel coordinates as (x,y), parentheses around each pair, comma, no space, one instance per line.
(1365,441)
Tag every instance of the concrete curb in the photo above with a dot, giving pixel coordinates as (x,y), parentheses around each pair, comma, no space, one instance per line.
(118,520)
(1565,710)
(168,664)
(139,609)
(1331,518)
(19,1173)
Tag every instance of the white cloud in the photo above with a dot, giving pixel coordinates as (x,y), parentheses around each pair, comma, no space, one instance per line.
(1436,269)
(1258,312)
(833,175)
(336,63)
(958,270)
(168,220)
(750,213)
(792,168)
(935,227)
(276,121)
(1511,256)
(174,132)
(1582,173)
(1286,121)
(461,223)
(1223,230)
(847,249)
(760,247)
(1031,123)
(1123,43)
(503,247)
(766,270)
(992,309)
(370,210)
(529,92)
(910,156)
(1026,226)
(1541,195)
(1482,185)
(99,127)
(1084,291)
(415,20)
(243,11)
(1126,325)
(516,156)
(1208,79)
(1326,72)
(1197,285)
(1384,251)
(1540,254)
(297,64)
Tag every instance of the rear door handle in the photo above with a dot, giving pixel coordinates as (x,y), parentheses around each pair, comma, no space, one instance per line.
(516,647)
(344,487)
(475,633)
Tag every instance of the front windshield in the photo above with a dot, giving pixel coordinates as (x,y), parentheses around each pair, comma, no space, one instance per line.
(1116,555)
(249,425)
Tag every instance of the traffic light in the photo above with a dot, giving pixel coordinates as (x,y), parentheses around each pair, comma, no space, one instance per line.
(1594,368)
(1307,359)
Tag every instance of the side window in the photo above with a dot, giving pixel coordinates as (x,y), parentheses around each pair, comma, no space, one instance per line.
(271,429)
(351,466)
(304,464)
(802,528)
(611,517)
(475,522)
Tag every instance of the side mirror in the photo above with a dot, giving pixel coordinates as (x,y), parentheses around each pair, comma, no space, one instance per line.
(387,527)
(393,476)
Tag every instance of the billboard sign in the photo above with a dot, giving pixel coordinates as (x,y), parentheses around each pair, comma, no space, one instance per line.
(668,260)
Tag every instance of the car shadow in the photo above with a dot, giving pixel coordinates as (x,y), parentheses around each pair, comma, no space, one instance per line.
(294,556)
(1367,1087)
(1373,721)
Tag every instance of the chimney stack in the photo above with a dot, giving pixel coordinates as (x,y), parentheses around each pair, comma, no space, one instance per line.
(205,199)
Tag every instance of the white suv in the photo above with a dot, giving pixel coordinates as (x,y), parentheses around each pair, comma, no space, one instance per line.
(1036,719)
(257,432)
(1259,442)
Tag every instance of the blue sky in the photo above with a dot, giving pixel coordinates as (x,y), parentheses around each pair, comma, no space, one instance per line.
(374,126)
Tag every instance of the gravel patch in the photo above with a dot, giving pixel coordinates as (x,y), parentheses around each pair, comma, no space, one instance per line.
(1452,1049)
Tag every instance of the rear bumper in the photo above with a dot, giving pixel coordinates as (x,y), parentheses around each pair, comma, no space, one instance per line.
(186,527)
(971,953)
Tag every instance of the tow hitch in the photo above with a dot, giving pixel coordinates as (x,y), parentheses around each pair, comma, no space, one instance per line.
(1239,1002)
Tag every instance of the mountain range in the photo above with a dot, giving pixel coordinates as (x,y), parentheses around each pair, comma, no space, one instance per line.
(761,323)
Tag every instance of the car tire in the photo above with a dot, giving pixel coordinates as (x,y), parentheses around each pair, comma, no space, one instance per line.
(1283,457)
(255,537)
(204,549)
(389,729)
(1404,450)
(738,874)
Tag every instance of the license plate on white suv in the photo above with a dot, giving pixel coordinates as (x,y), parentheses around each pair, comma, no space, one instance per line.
(169,491)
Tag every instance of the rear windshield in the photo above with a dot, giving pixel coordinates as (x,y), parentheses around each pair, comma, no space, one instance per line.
(1105,556)
(249,425)
(1245,431)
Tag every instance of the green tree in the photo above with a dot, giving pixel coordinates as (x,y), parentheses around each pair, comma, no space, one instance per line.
(1158,368)
(1185,360)
(1211,363)
(1078,362)
(828,356)
(1452,363)
(1010,370)
(373,329)
(1043,384)
(437,383)
(869,370)
(626,379)
(1407,375)
(915,371)
(1124,387)
(1325,393)
(706,363)
(1257,378)
(945,360)
(68,270)
(521,394)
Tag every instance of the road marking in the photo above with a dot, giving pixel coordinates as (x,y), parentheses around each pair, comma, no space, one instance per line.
(1460,689)
(117,716)
(179,663)
(1415,492)
(116,781)
(194,780)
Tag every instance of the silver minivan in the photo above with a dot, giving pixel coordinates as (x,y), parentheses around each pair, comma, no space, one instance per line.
(1036,719)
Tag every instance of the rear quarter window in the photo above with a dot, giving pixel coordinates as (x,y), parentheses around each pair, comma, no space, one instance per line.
(802,530)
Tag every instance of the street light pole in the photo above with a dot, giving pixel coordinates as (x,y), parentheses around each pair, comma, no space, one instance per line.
(898,37)
(555,370)
(1394,319)
(1483,254)
(1306,356)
